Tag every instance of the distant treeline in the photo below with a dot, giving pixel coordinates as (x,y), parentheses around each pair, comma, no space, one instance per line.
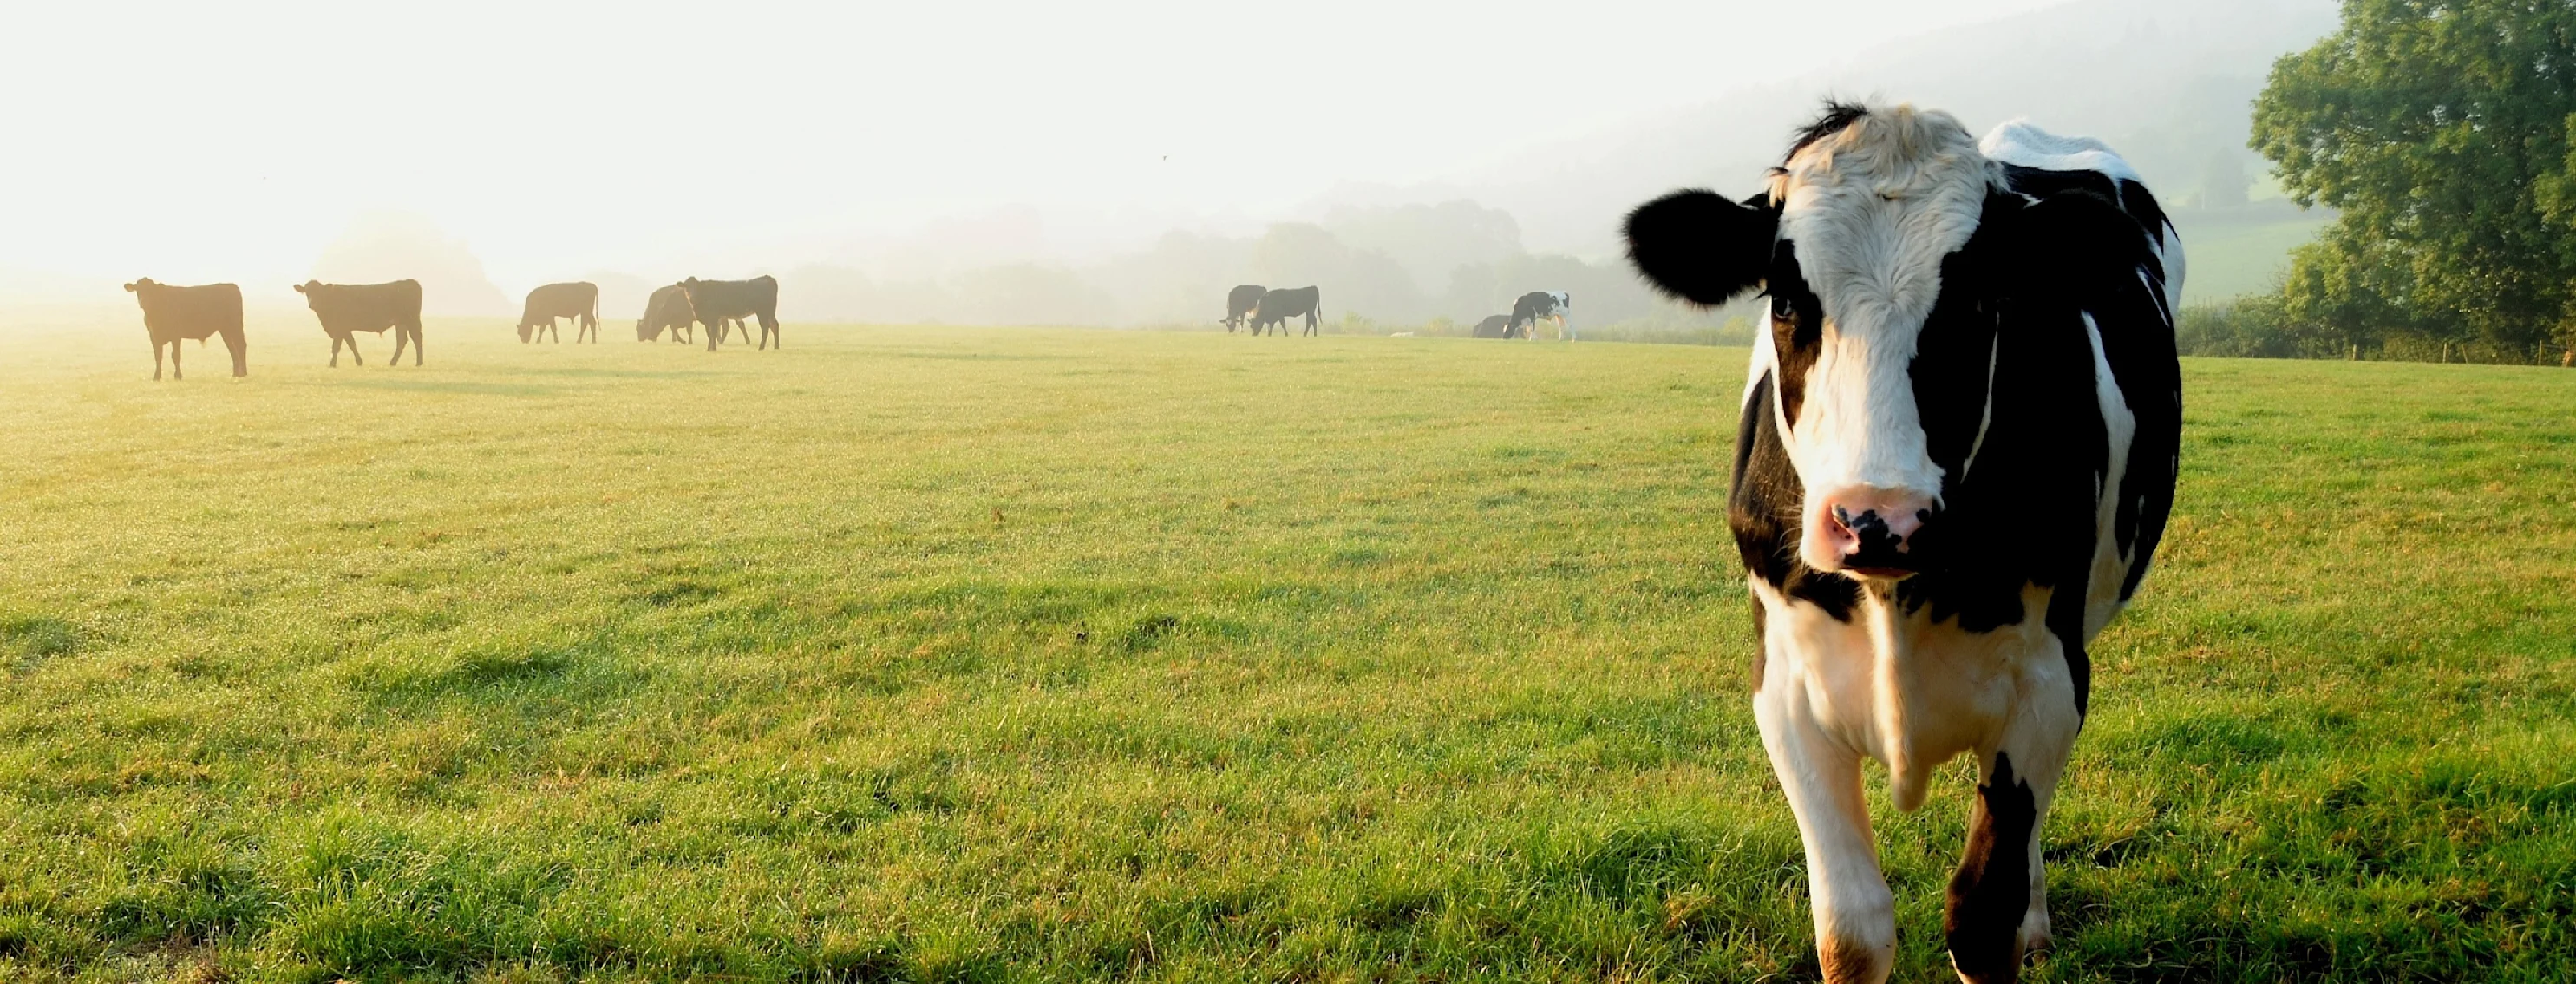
(2262,326)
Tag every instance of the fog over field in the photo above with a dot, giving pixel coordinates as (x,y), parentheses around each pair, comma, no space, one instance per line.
(978,163)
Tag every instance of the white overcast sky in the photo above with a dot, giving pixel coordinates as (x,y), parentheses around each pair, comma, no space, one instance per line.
(231,141)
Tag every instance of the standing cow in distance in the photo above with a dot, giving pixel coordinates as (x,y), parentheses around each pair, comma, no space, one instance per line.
(1958,448)
(1537,306)
(347,308)
(1497,326)
(717,300)
(1277,306)
(578,301)
(175,314)
(1239,304)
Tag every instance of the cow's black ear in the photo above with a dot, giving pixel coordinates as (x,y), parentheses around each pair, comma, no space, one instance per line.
(1700,247)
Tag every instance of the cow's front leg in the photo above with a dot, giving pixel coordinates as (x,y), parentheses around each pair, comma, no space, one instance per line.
(1855,916)
(156,360)
(1998,909)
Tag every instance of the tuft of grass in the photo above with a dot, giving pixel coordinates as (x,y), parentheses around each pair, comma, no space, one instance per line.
(918,654)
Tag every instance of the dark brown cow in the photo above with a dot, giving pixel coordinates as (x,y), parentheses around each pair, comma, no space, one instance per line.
(717,300)
(578,301)
(1277,306)
(667,310)
(372,308)
(175,314)
(1239,303)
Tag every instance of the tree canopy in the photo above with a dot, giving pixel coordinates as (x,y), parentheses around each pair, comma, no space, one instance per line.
(2441,129)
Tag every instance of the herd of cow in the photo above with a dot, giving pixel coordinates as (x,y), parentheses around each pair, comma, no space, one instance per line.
(1957,447)
(1262,309)
(173,314)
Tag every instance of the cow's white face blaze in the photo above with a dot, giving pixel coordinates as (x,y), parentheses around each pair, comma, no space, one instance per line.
(1868,213)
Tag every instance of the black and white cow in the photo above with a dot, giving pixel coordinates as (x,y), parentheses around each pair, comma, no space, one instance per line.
(1537,306)
(1957,452)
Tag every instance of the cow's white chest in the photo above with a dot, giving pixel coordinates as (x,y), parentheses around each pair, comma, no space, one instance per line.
(1905,690)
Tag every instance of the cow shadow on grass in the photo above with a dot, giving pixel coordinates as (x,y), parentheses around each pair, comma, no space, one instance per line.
(577,372)
(970,356)
(467,388)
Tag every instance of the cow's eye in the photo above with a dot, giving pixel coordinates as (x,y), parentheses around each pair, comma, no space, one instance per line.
(1782,310)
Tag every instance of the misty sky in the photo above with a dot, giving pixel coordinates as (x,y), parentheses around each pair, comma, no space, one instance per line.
(206,142)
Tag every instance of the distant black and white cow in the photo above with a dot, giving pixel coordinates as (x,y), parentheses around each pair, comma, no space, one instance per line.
(1277,306)
(1496,326)
(1537,306)
(1958,448)
(717,301)
(347,308)
(578,300)
(1239,304)
(175,314)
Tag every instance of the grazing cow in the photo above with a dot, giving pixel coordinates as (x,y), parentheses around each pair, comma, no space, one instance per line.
(578,301)
(1958,447)
(717,300)
(346,308)
(1537,306)
(1277,306)
(1239,304)
(667,309)
(1497,326)
(175,314)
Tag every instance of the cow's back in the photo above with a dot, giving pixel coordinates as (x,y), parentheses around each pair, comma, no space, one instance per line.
(2128,259)
(562,300)
(192,312)
(367,307)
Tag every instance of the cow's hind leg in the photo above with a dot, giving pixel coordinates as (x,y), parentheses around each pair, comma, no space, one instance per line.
(1998,907)
(1855,915)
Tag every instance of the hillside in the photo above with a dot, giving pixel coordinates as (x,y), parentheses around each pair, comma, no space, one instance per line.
(2169,84)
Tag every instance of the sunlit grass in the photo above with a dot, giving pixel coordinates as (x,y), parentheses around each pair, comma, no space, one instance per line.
(964,654)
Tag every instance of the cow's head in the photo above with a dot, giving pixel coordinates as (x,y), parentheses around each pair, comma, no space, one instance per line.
(139,286)
(1848,244)
(312,291)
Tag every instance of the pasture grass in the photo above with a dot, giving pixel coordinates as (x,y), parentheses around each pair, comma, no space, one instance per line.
(937,654)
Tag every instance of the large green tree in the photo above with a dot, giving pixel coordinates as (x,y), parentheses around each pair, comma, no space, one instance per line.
(2442,130)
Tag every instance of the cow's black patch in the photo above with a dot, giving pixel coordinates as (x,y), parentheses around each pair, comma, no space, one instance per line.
(1991,890)
(1764,505)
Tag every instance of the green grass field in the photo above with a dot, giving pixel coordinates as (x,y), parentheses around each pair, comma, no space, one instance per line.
(918,654)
